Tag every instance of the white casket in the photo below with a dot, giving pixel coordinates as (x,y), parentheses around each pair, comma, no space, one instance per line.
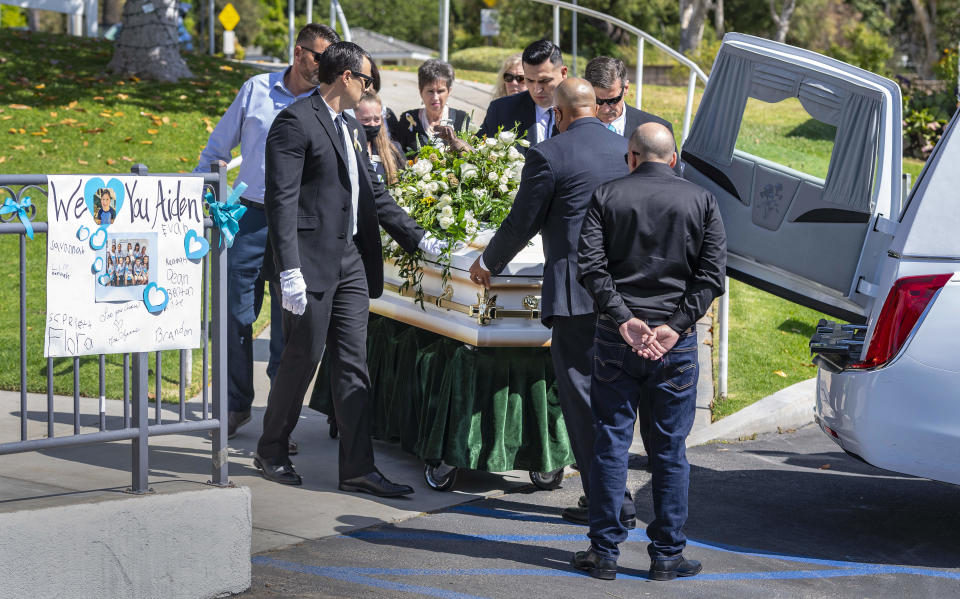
(508,315)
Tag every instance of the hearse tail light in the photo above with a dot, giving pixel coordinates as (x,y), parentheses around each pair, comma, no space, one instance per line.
(905,303)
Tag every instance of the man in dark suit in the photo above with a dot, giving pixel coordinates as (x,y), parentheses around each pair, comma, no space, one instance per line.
(323,216)
(652,253)
(530,111)
(608,76)
(558,179)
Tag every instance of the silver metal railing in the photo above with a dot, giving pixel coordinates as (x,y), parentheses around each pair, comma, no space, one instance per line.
(642,37)
(137,426)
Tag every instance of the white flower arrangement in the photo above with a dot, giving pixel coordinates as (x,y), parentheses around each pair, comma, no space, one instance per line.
(453,196)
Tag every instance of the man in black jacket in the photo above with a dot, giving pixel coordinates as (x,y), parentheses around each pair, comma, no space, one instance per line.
(558,179)
(323,214)
(652,254)
(530,111)
(608,76)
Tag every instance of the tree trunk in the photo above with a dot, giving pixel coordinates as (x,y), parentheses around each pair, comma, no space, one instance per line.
(718,19)
(112,11)
(147,46)
(693,14)
(782,19)
(929,35)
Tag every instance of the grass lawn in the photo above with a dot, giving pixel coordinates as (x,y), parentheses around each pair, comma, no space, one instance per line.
(62,112)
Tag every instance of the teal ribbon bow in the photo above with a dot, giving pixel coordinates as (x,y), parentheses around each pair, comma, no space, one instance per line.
(226,215)
(10,206)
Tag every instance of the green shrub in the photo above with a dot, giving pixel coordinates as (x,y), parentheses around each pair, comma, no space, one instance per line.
(921,131)
(12,16)
(864,48)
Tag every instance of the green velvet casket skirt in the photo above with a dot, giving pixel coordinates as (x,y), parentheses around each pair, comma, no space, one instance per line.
(491,409)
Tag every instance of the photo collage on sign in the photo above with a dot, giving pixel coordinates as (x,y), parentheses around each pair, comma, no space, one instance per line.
(129,263)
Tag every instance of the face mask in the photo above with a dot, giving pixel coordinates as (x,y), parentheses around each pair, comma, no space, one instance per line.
(372,131)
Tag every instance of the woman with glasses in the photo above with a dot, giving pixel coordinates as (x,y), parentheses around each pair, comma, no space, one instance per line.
(421,126)
(510,78)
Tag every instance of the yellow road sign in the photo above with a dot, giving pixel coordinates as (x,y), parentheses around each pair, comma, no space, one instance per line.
(228,17)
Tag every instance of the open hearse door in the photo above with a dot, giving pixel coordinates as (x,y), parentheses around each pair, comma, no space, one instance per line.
(813,234)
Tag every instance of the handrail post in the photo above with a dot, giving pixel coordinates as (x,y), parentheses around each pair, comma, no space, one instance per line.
(723,353)
(688,111)
(140,465)
(556,25)
(218,304)
(639,83)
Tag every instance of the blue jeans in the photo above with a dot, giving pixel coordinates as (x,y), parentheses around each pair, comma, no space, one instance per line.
(244,300)
(622,384)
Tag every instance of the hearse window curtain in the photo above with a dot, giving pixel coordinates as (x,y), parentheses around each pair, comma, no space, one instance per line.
(715,129)
(850,175)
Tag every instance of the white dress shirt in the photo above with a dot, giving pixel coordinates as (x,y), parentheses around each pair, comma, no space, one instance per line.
(544,123)
(619,123)
(352,168)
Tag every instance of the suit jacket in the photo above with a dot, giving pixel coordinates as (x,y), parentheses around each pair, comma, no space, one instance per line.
(510,111)
(559,177)
(637,117)
(307,201)
(410,133)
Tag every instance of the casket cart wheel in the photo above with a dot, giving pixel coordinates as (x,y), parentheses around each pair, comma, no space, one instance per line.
(440,477)
(547,481)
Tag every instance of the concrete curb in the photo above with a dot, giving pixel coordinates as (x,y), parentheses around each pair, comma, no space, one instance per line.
(791,407)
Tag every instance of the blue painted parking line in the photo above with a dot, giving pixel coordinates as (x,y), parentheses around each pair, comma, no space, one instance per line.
(367,576)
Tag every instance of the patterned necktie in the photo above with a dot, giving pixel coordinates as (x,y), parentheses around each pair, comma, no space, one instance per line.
(611,127)
(339,123)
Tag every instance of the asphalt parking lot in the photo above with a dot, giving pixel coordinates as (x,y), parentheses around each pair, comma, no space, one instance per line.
(786,515)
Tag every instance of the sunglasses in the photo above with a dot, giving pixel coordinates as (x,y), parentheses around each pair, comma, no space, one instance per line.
(367,80)
(626,157)
(510,78)
(316,55)
(611,101)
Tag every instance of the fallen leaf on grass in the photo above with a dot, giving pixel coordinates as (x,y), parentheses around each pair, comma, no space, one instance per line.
(182,159)
(106,114)
(41,86)
(94,130)
(780,373)
(224,67)
(53,114)
(19,147)
(20,107)
(152,131)
(111,161)
(6,117)
(82,161)
(72,104)
(147,142)
(127,158)
(86,143)
(3,159)
(128,139)
(46,141)
(123,96)
(98,98)
(182,97)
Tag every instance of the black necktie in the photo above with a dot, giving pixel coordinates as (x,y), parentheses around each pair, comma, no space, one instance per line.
(338,122)
(548,133)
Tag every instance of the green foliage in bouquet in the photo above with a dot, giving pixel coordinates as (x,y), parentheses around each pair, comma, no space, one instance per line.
(454,197)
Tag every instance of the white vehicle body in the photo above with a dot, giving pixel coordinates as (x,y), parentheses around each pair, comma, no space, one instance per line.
(888,388)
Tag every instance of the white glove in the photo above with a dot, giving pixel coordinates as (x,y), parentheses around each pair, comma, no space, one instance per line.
(432,245)
(294,290)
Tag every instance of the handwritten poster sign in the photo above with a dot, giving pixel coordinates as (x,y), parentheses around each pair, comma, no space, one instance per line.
(124,264)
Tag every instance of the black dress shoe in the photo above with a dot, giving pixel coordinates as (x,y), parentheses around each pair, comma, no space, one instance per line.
(292,447)
(375,484)
(282,472)
(668,568)
(580,514)
(596,565)
(235,420)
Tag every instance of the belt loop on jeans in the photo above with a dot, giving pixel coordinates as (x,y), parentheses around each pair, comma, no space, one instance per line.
(251,203)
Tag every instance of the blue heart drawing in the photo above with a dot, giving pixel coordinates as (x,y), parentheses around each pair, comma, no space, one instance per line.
(83,233)
(196,247)
(152,307)
(104,279)
(97,264)
(103,200)
(99,238)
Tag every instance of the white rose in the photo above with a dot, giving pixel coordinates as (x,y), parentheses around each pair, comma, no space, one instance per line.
(514,155)
(444,200)
(467,171)
(492,177)
(446,211)
(422,167)
(495,156)
(479,193)
(502,187)
(445,221)
(504,179)
(433,187)
(523,143)
(491,142)
(507,137)
(513,194)
(442,185)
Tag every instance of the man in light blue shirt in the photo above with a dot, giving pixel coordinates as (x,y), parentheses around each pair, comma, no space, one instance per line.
(247,123)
